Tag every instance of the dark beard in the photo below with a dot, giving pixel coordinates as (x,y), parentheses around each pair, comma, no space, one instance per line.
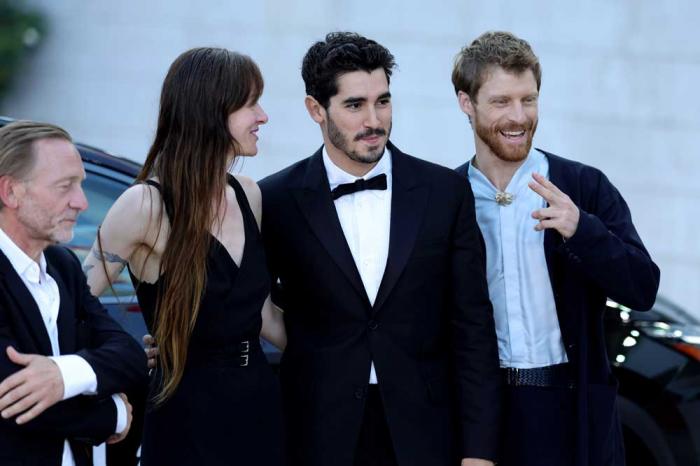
(340,141)
(501,150)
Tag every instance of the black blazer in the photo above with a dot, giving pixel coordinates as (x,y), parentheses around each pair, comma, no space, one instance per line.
(430,332)
(605,258)
(84,329)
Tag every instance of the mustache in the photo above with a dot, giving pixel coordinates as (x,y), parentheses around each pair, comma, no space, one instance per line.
(529,125)
(370,132)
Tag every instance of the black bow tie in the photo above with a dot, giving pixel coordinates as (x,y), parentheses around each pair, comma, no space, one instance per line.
(378,182)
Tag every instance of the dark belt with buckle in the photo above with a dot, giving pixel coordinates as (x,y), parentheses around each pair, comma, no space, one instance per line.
(234,354)
(557,375)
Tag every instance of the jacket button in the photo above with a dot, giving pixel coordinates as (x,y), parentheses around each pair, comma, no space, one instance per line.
(359,393)
(372,324)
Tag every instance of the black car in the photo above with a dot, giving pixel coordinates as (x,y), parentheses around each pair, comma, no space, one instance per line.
(656,358)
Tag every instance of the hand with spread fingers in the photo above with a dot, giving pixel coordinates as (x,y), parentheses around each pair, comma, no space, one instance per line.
(561,213)
(32,390)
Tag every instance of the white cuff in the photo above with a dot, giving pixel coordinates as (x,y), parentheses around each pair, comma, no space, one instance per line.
(121,414)
(78,376)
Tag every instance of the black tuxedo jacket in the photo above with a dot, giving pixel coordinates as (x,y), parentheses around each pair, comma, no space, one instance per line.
(430,332)
(85,329)
(605,258)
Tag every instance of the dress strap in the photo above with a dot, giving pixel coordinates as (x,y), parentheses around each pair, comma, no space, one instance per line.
(248,217)
(232,181)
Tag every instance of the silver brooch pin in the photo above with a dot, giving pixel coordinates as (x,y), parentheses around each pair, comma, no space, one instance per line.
(503,198)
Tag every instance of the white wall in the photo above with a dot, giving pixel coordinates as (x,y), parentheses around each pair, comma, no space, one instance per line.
(618,87)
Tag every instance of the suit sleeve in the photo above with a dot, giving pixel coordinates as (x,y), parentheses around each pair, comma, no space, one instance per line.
(91,419)
(607,249)
(474,339)
(267,230)
(118,360)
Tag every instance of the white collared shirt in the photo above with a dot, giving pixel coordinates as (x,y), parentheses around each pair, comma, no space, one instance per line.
(365,218)
(527,325)
(78,376)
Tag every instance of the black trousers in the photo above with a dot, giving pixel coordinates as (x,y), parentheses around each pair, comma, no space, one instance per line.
(374,447)
(539,426)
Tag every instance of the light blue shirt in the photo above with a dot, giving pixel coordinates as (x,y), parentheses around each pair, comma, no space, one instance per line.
(519,287)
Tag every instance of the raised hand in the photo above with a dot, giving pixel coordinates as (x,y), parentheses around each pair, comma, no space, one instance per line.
(561,214)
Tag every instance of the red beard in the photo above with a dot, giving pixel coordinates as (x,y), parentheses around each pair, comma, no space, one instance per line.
(498,144)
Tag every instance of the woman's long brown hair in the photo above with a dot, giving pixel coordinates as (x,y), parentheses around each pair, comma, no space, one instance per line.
(189,156)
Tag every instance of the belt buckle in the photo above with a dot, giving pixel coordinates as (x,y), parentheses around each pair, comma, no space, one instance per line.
(245,349)
(512,376)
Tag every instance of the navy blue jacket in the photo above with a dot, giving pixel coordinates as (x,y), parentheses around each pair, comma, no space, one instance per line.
(604,259)
(85,329)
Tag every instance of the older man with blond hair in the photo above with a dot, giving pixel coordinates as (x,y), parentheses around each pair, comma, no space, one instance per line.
(64,363)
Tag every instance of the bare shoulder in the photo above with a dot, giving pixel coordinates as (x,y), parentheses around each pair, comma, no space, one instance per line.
(252,192)
(141,200)
(250,187)
(133,212)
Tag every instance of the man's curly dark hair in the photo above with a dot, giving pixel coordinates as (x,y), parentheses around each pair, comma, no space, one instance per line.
(340,53)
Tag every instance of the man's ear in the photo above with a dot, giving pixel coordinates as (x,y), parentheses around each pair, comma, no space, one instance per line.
(9,190)
(315,109)
(465,103)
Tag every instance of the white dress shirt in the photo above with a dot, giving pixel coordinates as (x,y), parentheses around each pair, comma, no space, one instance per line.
(519,287)
(78,377)
(365,218)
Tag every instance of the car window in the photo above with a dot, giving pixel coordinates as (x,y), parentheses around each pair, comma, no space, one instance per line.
(101,188)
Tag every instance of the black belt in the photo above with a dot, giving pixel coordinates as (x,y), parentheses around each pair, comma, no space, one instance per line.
(236,354)
(557,375)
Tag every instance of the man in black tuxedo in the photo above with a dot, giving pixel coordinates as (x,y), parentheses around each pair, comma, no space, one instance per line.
(64,363)
(391,355)
(559,240)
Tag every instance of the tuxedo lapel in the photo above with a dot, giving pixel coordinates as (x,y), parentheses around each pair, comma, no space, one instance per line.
(315,202)
(25,305)
(66,314)
(408,202)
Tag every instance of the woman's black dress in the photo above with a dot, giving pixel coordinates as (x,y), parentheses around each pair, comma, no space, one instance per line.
(226,409)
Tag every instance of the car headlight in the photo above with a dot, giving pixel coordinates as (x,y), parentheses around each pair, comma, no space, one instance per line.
(684,338)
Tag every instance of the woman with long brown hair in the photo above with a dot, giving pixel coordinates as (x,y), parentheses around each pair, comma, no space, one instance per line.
(189,232)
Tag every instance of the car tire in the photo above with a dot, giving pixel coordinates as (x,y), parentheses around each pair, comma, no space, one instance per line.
(645,444)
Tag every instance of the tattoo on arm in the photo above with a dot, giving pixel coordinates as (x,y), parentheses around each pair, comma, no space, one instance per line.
(108,257)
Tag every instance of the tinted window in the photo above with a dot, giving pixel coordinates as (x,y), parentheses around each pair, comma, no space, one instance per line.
(102,187)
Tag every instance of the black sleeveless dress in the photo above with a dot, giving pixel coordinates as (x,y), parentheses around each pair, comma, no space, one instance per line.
(226,409)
